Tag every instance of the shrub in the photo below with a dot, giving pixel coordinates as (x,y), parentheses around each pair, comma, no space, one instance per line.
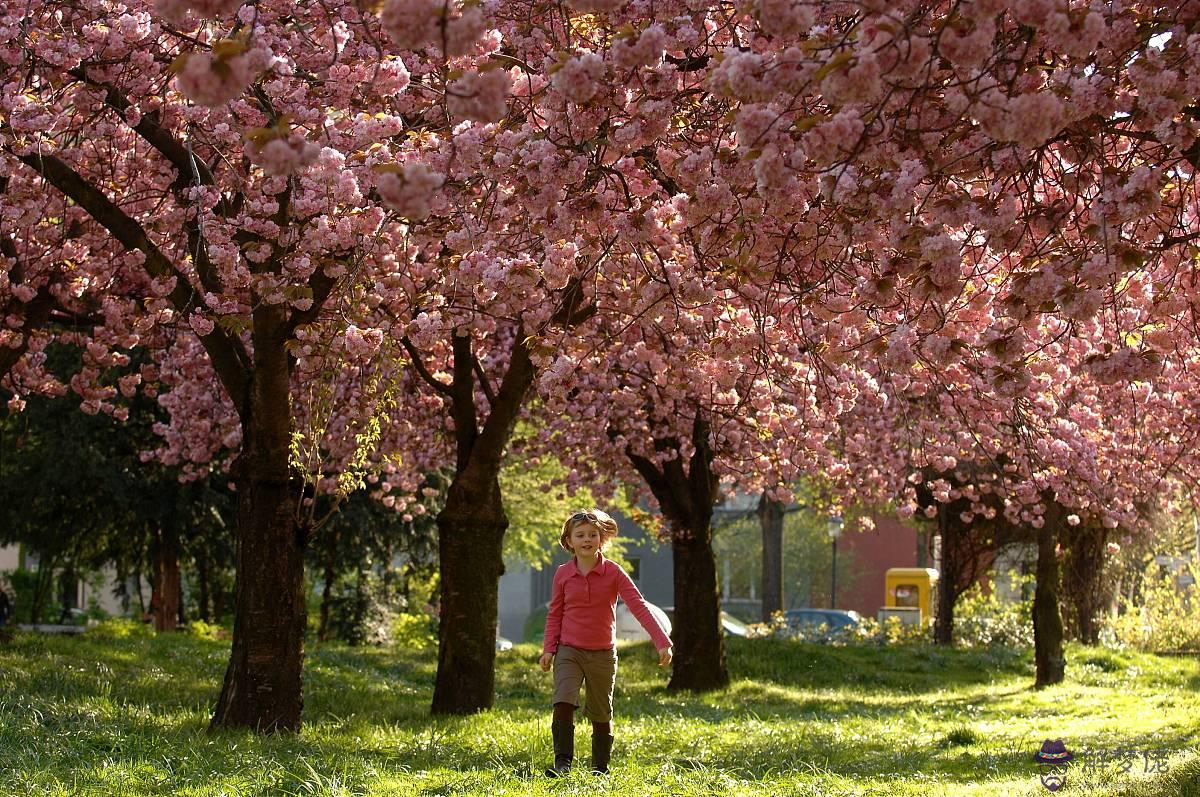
(535,624)
(202,630)
(1166,618)
(120,628)
(414,631)
(868,631)
(983,620)
(361,613)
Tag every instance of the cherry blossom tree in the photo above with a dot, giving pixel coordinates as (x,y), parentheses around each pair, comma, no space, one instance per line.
(312,206)
(207,173)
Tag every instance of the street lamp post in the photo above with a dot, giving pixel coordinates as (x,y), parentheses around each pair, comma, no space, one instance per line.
(834,527)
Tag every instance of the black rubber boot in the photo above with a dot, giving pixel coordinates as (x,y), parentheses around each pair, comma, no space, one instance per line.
(601,752)
(564,748)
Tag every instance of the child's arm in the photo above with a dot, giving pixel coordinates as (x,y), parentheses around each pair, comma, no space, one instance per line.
(637,604)
(554,619)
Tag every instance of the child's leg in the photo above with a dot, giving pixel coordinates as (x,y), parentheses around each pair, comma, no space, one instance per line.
(564,712)
(600,675)
(568,677)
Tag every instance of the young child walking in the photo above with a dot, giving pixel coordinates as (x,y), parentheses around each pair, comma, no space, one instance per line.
(581,636)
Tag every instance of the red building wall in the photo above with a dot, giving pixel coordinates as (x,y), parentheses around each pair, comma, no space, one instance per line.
(867,557)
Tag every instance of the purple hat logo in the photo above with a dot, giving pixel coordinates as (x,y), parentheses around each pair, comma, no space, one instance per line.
(1052,760)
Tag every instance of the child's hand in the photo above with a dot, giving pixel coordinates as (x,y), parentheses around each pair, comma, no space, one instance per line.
(664,657)
(545,662)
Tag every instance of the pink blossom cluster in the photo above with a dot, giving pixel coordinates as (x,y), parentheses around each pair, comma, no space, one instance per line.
(790,18)
(215,78)
(577,79)
(1124,365)
(179,11)
(645,50)
(479,96)
(282,154)
(410,190)
(451,25)
(362,344)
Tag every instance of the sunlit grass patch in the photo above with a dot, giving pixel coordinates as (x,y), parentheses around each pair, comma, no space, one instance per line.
(108,717)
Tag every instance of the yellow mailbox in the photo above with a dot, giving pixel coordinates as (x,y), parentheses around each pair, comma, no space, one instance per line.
(908,588)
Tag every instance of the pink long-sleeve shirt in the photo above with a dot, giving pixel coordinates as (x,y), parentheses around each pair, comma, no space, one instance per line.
(583,608)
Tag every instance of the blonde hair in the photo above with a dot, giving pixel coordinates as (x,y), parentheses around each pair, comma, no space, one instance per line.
(601,520)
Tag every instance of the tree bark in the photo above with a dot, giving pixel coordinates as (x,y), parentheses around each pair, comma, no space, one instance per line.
(1047,621)
(770,516)
(263,683)
(471,530)
(202,586)
(697,634)
(323,630)
(687,501)
(943,627)
(167,583)
(43,585)
(1082,582)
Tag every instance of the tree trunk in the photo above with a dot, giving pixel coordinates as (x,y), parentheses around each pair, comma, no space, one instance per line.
(323,630)
(697,634)
(1047,621)
(68,590)
(202,586)
(167,584)
(471,530)
(43,585)
(263,683)
(137,584)
(943,627)
(687,500)
(1083,583)
(770,516)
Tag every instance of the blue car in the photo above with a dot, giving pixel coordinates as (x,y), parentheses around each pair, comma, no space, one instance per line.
(820,624)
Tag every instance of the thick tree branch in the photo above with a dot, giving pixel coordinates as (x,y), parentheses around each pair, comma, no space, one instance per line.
(441,387)
(573,309)
(149,127)
(225,352)
(498,428)
(462,401)
(701,480)
(321,285)
(483,382)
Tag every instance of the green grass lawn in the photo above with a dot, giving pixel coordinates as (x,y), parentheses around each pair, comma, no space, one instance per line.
(127,717)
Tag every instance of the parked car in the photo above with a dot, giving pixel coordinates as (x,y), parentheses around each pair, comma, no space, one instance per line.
(503,644)
(820,624)
(732,625)
(628,627)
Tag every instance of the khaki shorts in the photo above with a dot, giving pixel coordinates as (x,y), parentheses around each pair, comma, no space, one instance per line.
(574,667)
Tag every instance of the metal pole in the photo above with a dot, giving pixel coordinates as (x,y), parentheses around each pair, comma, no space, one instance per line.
(833,578)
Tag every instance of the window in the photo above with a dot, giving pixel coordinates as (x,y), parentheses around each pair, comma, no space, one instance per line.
(635,568)
(907,595)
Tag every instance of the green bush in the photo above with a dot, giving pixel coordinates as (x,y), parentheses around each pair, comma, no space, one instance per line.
(535,624)
(1166,618)
(983,620)
(414,631)
(120,628)
(360,614)
(868,631)
(202,630)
